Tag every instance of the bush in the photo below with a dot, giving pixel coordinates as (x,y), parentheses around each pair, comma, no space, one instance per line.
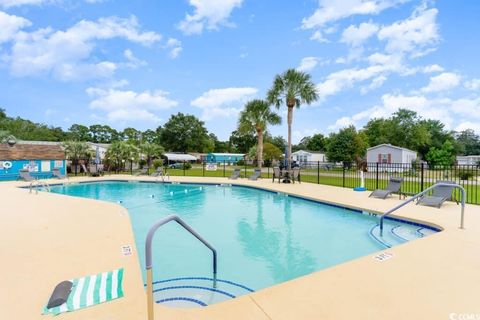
(142,163)
(157,163)
(187,166)
(240,163)
(465,174)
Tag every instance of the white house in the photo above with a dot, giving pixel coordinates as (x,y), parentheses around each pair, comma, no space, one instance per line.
(468,160)
(386,154)
(304,156)
(102,149)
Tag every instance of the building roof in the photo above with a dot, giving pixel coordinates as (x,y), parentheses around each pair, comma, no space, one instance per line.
(308,151)
(179,157)
(24,151)
(216,154)
(390,146)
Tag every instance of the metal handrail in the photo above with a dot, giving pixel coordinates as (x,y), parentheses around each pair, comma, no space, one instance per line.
(418,195)
(38,183)
(148,255)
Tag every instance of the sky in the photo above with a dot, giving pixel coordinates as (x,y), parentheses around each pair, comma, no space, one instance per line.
(135,63)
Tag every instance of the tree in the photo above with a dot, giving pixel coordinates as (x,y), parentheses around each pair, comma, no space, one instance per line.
(270,152)
(132,135)
(293,88)
(317,142)
(346,145)
(150,136)
(6,137)
(241,142)
(256,116)
(120,152)
(78,132)
(151,151)
(219,146)
(185,133)
(77,150)
(277,141)
(468,142)
(445,156)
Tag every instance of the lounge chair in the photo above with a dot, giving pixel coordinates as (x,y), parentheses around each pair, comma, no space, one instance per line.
(256,174)
(235,174)
(157,173)
(394,185)
(296,174)
(276,174)
(57,174)
(25,175)
(439,195)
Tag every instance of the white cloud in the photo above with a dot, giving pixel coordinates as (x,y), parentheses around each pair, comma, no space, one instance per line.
(475,126)
(356,36)
(333,10)
(412,34)
(432,68)
(308,64)
(473,84)
(10,25)
(442,82)
(208,14)
(469,108)
(224,102)
(133,62)
(68,54)
(16,3)
(174,46)
(127,105)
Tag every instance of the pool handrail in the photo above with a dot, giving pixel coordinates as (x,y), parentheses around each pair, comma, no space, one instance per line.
(418,195)
(38,182)
(148,254)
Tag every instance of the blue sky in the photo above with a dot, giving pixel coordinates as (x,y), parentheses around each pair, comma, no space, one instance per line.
(134,63)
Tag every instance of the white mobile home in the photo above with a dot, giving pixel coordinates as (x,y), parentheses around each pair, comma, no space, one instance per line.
(387,153)
(468,160)
(303,156)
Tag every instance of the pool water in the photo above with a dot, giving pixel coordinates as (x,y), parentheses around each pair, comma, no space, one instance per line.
(262,238)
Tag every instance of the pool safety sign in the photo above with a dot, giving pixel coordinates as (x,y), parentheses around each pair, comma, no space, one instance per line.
(383,256)
(127,250)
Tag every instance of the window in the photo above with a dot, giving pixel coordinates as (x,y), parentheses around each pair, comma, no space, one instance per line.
(384,157)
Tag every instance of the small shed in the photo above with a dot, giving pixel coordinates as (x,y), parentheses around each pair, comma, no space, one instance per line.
(229,158)
(38,159)
(388,154)
(303,157)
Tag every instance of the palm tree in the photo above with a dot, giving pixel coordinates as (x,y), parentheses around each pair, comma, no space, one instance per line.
(150,151)
(294,88)
(76,150)
(255,118)
(121,151)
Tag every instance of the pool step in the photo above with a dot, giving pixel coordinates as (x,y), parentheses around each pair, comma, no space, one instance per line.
(190,292)
(395,234)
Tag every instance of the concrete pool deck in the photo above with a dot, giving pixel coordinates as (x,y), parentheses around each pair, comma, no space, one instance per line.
(47,238)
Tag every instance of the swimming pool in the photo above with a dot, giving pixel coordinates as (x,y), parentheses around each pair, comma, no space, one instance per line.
(262,238)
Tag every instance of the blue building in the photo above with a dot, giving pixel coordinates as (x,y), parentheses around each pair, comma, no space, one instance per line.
(229,158)
(38,159)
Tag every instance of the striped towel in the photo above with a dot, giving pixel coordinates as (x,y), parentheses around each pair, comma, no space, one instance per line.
(91,290)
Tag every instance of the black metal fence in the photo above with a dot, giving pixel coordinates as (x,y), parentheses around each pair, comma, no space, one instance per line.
(416,177)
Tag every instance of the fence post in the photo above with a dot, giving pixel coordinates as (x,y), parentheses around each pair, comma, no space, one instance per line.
(318,172)
(184,174)
(421,176)
(343,182)
(224,168)
(376,177)
(245,163)
(203,168)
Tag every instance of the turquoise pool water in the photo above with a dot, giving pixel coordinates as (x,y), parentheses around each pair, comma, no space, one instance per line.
(262,238)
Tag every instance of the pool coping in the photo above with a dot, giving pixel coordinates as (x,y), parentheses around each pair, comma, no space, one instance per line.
(276,302)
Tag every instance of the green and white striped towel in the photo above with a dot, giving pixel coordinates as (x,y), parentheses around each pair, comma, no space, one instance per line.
(91,290)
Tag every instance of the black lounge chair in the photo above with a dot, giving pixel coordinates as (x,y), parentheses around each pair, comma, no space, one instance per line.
(235,174)
(439,195)
(256,174)
(57,174)
(277,174)
(394,185)
(296,174)
(25,175)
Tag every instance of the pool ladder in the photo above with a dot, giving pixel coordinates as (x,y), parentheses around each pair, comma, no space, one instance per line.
(148,255)
(418,195)
(39,183)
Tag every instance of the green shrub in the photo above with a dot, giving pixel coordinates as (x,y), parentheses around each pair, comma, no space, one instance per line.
(187,166)
(465,174)
(142,163)
(240,163)
(157,163)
